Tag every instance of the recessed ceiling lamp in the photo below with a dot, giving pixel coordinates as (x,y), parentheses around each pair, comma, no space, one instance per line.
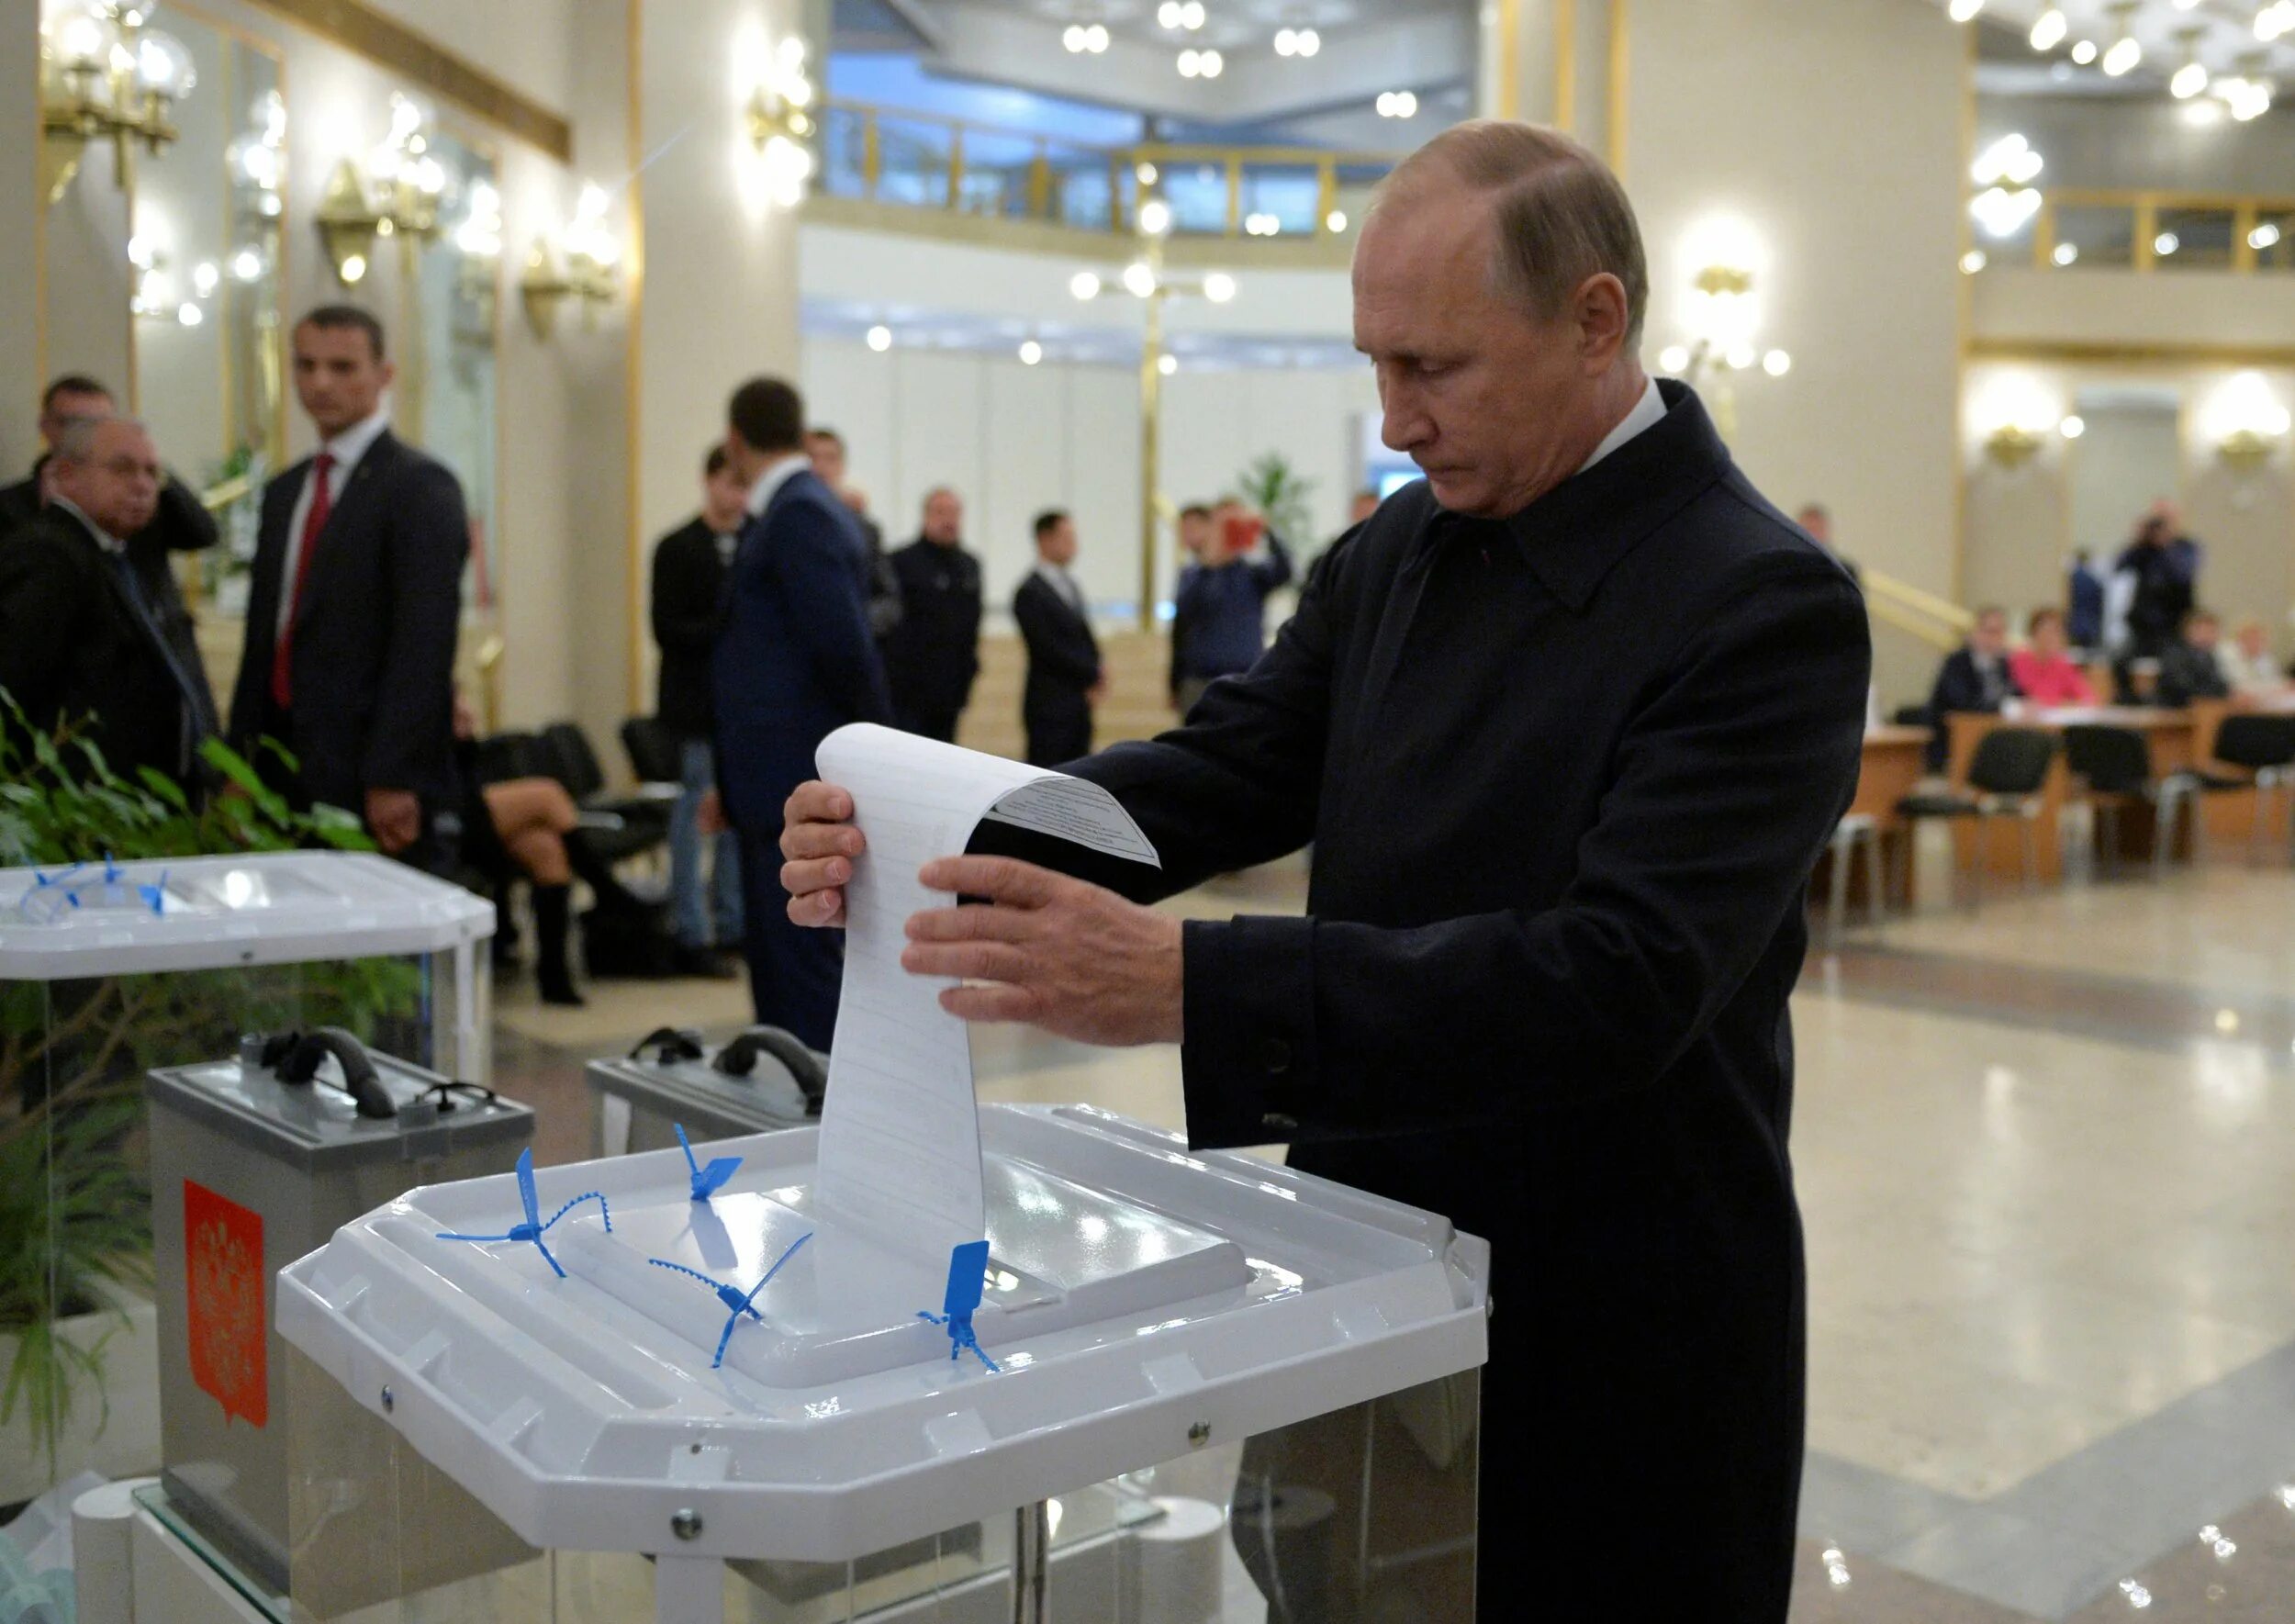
(1962,11)
(1398,103)
(2191,78)
(2049,30)
(2084,52)
(1085,38)
(2126,49)
(2274,19)
(881,339)
(1031,352)
(1178,14)
(1301,42)
(1202,64)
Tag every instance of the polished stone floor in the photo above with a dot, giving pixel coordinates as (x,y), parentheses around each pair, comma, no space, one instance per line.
(2046,1156)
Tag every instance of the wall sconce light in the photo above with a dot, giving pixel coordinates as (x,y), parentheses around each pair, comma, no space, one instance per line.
(105,75)
(2012,444)
(397,191)
(1723,315)
(153,292)
(2247,421)
(586,266)
(781,122)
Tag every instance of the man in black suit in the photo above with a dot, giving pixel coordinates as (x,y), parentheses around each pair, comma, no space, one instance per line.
(1065,677)
(793,663)
(80,639)
(932,656)
(356,602)
(1974,679)
(179,524)
(1567,724)
(689,568)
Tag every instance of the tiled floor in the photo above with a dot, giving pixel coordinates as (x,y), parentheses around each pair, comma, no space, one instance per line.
(2046,1156)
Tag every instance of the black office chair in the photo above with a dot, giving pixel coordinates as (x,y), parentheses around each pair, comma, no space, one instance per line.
(1912,716)
(616,827)
(2265,746)
(2004,776)
(2115,763)
(656,755)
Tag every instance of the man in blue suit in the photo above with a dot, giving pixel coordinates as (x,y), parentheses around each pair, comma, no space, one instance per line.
(794,662)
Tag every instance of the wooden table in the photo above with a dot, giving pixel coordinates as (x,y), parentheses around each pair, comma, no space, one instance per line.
(1892,768)
(2170,734)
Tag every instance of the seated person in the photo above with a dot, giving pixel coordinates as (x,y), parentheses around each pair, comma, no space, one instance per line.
(2247,664)
(2187,668)
(528,825)
(2044,670)
(1974,679)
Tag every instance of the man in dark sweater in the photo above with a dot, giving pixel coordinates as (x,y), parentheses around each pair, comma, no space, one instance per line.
(2188,670)
(932,656)
(690,565)
(1219,613)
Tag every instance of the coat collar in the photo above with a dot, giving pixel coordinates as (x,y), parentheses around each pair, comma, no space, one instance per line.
(1575,534)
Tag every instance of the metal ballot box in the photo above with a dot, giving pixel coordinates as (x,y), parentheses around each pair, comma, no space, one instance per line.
(763,1079)
(1205,1387)
(109,970)
(250,1170)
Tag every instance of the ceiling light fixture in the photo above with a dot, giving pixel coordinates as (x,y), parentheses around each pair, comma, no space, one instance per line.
(2126,49)
(1972,261)
(1962,11)
(2165,243)
(1398,103)
(1085,38)
(2263,236)
(1155,216)
(2084,52)
(1300,42)
(1202,64)
(1031,352)
(2064,254)
(2049,31)
(2073,427)
(881,339)
(2274,19)
(1219,288)
(2191,78)
(1178,14)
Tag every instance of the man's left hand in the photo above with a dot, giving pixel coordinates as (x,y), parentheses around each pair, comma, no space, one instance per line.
(1075,960)
(394,816)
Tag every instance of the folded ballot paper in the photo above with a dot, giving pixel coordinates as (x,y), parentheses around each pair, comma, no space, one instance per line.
(900,1156)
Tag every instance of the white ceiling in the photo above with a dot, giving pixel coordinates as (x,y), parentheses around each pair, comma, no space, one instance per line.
(2007,64)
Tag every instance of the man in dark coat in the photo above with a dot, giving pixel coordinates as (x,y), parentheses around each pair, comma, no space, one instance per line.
(689,568)
(933,655)
(179,524)
(1567,727)
(1065,677)
(1973,679)
(81,645)
(793,663)
(356,604)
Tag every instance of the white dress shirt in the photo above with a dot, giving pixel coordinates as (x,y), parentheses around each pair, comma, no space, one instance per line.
(346,448)
(1056,577)
(1648,413)
(769,482)
(104,538)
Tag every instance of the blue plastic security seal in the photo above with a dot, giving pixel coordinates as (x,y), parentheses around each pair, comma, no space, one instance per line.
(706,1181)
(967,1279)
(533,1229)
(733,1296)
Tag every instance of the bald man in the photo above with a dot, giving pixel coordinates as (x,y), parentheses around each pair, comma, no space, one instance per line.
(1567,725)
(82,645)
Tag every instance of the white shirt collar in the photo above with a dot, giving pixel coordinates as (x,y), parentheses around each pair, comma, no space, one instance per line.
(355,441)
(104,538)
(1648,413)
(776,474)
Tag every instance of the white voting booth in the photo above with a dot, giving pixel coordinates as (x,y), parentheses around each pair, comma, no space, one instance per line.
(924,1360)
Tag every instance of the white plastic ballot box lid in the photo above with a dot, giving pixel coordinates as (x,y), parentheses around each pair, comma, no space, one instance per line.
(1141,1301)
(184,913)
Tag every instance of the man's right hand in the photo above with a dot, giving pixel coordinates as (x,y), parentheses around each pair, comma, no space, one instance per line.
(819,841)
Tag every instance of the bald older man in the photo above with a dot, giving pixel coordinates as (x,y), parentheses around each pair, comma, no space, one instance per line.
(82,643)
(1566,725)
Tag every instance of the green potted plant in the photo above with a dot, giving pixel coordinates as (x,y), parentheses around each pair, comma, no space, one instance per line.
(75,1211)
(1275,488)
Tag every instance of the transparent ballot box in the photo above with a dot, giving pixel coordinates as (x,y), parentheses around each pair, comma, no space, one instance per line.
(110,971)
(763,1079)
(1204,1388)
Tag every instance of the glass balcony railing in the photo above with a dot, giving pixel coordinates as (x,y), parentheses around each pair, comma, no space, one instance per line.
(925,161)
(2152,232)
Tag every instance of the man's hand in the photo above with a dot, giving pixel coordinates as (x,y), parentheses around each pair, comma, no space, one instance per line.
(819,841)
(1075,960)
(396,818)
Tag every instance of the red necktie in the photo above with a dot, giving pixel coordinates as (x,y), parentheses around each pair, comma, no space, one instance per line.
(283,657)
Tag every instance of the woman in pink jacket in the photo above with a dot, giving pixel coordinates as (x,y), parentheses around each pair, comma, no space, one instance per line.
(2044,670)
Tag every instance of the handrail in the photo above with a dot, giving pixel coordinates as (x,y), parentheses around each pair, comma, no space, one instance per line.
(1056,160)
(1937,621)
(217,498)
